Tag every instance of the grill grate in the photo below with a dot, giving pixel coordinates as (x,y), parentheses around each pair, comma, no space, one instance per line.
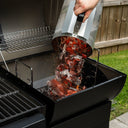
(6,90)
(26,39)
(14,103)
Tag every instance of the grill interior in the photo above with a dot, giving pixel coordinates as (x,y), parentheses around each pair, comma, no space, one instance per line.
(91,76)
(14,103)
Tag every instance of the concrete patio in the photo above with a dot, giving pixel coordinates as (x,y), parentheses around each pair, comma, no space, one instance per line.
(120,122)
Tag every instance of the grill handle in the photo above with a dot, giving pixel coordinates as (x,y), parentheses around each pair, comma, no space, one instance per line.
(80,17)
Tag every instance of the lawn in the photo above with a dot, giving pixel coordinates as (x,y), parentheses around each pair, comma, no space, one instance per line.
(118,61)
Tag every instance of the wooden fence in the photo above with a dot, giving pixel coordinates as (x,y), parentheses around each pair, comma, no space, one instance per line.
(112,34)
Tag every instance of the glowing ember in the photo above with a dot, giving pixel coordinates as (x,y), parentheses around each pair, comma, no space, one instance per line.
(68,73)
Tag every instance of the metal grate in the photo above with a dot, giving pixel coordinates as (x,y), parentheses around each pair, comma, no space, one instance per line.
(14,103)
(26,39)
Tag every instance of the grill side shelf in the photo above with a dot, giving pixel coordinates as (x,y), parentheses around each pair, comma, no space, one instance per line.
(15,104)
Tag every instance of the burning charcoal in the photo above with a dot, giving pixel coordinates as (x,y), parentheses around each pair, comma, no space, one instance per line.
(80,66)
(57,75)
(78,81)
(70,92)
(60,67)
(84,87)
(78,58)
(57,87)
(68,73)
(63,52)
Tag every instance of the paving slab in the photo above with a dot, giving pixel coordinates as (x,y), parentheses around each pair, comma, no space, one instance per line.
(123,118)
(117,124)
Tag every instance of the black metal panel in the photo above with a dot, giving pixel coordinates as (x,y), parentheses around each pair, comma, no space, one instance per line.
(96,117)
(34,121)
(52,9)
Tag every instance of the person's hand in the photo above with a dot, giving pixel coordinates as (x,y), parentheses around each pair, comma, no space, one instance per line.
(84,6)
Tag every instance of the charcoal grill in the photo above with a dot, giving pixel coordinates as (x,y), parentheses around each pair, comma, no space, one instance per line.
(86,104)
(28,61)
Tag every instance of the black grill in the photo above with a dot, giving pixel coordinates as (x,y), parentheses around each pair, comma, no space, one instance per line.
(20,102)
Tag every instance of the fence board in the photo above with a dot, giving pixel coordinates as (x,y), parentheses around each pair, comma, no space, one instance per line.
(110,24)
(111,2)
(123,47)
(117,21)
(124,24)
(114,2)
(98,36)
(127,23)
(94,54)
(114,49)
(123,2)
(104,24)
(105,51)
(109,43)
(116,25)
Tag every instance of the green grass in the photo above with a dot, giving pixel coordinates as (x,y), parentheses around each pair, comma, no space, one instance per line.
(118,61)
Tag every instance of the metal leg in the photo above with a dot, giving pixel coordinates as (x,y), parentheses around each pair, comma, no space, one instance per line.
(97,62)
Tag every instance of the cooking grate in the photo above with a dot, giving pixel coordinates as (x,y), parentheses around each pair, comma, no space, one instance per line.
(14,103)
(26,39)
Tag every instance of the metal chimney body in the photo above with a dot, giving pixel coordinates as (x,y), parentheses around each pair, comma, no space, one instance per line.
(68,24)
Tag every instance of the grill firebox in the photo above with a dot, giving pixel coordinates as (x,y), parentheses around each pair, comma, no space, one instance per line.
(95,99)
(109,83)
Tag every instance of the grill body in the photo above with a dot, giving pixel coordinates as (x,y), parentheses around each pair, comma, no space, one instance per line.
(96,117)
(95,98)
